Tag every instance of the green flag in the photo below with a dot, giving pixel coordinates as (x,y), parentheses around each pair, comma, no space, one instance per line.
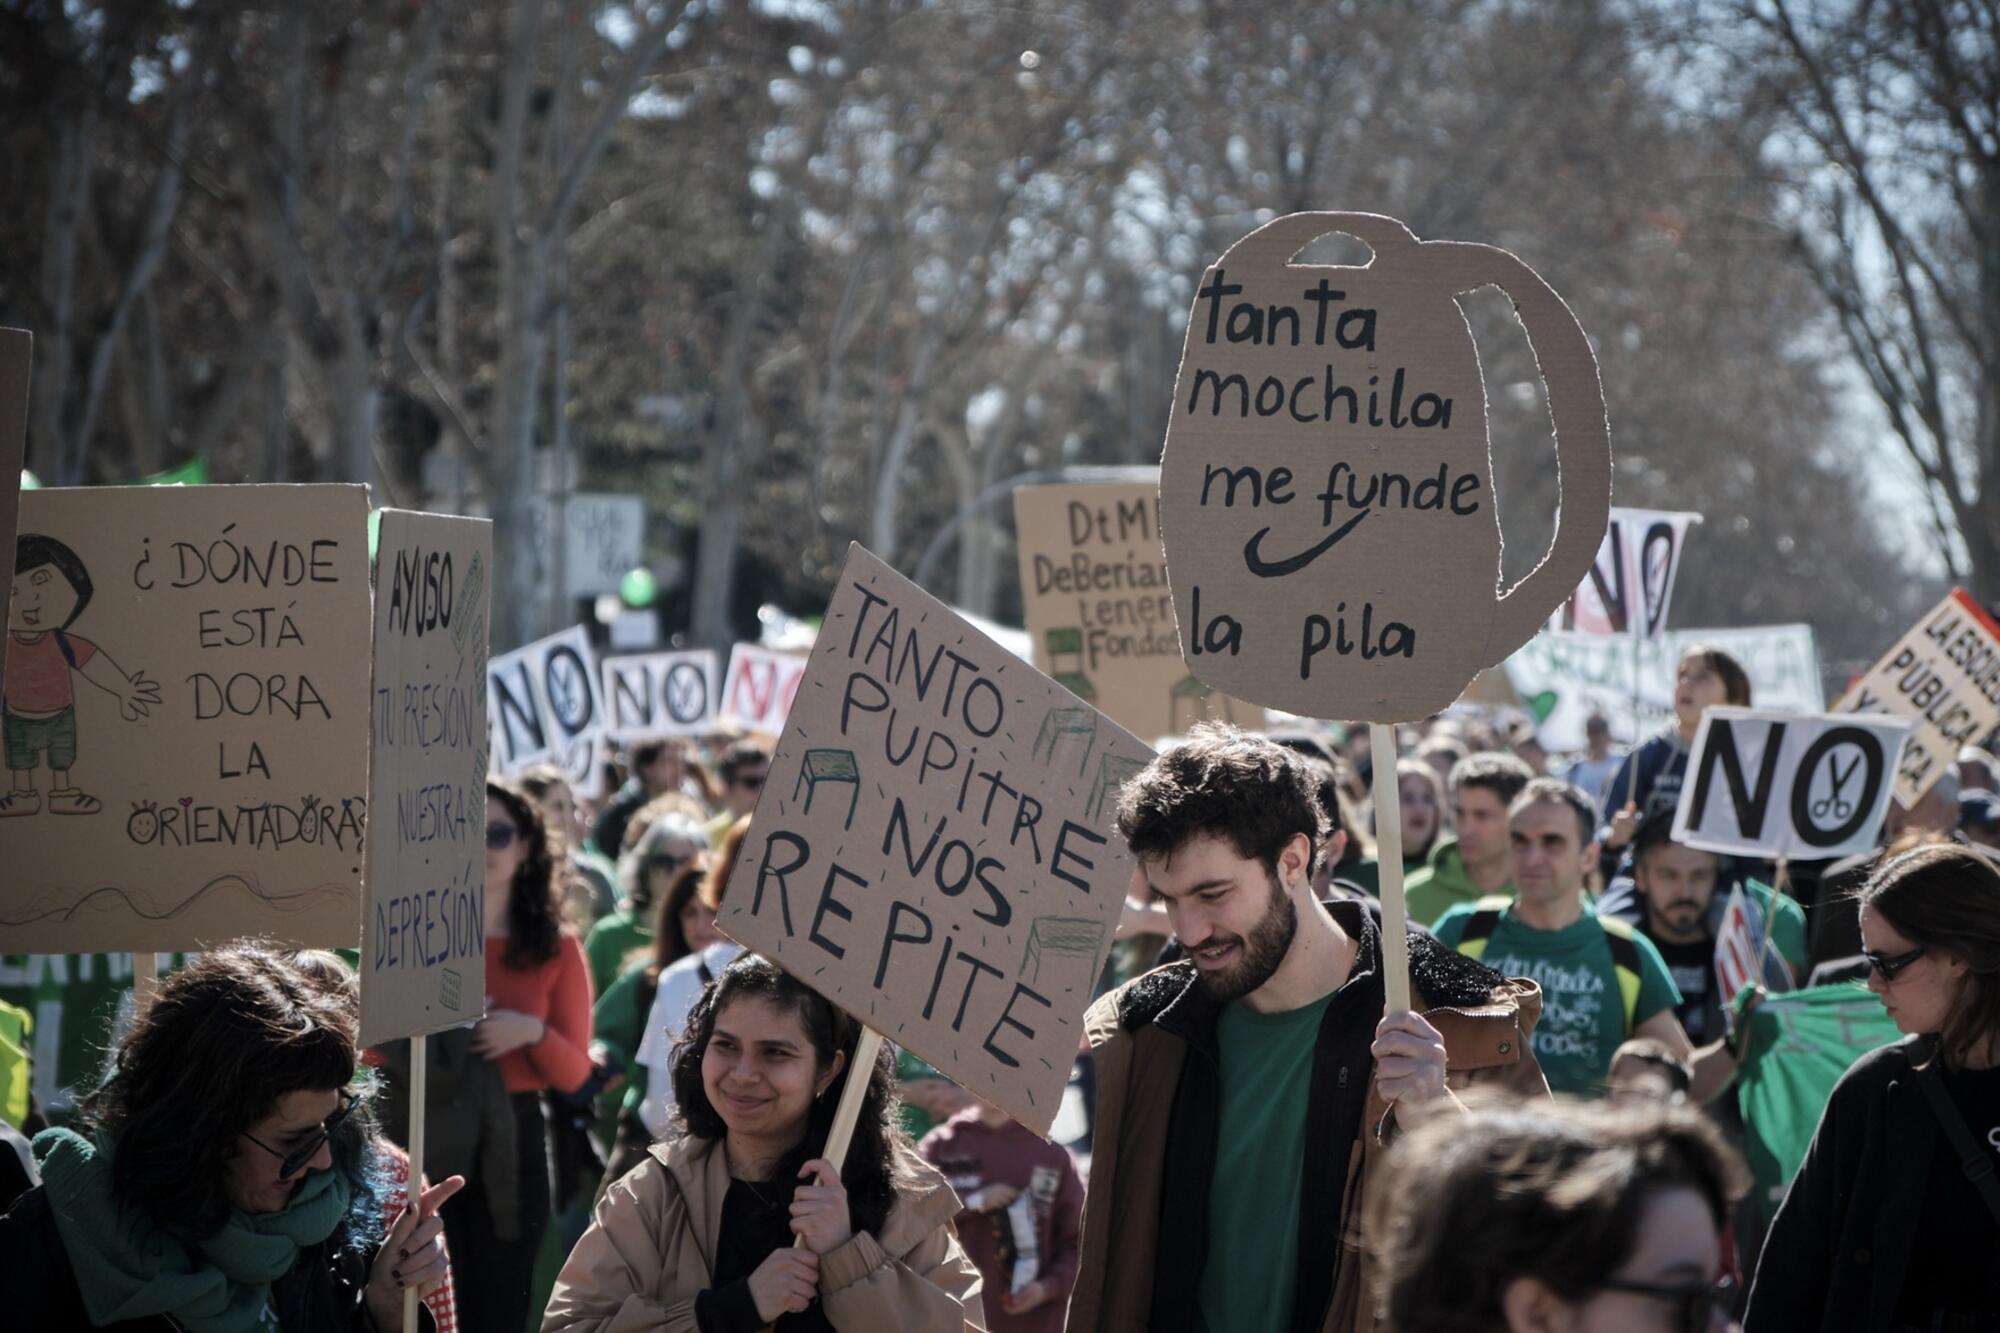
(194,472)
(1799,1045)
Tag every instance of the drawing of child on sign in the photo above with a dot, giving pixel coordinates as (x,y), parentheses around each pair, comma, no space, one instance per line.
(51,589)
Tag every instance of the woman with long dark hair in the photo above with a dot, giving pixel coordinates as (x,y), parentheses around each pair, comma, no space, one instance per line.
(536,1037)
(702,1235)
(1893,1220)
(222,1177)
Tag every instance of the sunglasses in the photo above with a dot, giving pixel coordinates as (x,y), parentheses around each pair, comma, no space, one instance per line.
(752,782)
(1699,1305)
(1886,966)
(293,1162)
(499,837)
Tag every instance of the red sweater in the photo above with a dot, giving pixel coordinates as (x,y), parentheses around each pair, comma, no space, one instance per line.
(558,993)
(973,1155)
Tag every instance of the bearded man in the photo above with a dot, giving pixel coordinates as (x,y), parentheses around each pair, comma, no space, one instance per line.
(1244,1092)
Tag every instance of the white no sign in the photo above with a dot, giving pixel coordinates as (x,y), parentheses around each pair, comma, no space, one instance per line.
(1788,784)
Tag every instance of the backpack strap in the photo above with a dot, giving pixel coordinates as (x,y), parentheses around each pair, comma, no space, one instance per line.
(1625,962)
(1479,927)
(1974,1161)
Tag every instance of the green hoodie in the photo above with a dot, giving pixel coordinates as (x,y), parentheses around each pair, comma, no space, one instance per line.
(128,1268)
(1443,884)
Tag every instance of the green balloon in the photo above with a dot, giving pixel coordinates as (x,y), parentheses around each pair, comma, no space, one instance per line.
(639,588)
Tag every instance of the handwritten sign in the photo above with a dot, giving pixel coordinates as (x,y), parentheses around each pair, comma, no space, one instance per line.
(1780,784)
(186,718)
(1326,494)
(1563,676)
(1631,582)
(1095,594)
(423,921)
(660,694)
(758,689)
(602,536)
(1944,675)
(933,850)
(16,359)
(547,704)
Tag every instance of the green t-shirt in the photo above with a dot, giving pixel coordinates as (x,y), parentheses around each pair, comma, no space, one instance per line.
(1258,1183)
(609,947)
(1583,1008)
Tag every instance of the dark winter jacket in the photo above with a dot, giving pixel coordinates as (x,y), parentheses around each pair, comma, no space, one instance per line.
(1650,778)
(1159,1094)
(1837,1251)
(38,1288)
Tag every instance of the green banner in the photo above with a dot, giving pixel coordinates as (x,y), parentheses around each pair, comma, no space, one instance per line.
(75,1001)
(1799,1045)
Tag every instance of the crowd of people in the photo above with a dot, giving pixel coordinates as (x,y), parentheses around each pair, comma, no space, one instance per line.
(634,1136)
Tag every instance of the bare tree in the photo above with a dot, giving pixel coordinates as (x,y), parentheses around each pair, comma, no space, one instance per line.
(1884,118)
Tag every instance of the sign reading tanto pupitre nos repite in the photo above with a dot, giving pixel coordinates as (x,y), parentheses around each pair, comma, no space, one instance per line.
(933,851)
(1812,785)
(1326,495)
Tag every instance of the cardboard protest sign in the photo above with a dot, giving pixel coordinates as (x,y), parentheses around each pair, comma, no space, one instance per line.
(1631,582)
(1563,676)
(758,689)
(600,538)
(547,705)
(423,921)
(1944,675)
(186,718)
(1094,594)
(16,360)
(1771,784)
(1326,494)
(660,694)
(933,849)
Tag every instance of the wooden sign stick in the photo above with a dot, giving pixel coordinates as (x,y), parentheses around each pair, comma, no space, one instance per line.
(413,1191)
(145,979)
(848,1113)
(1389,867)
(1781,885)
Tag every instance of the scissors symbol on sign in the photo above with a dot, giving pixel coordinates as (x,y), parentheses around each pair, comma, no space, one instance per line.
(1835,803)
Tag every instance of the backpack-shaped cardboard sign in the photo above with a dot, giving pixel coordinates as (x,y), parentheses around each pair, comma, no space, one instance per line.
(1326,494)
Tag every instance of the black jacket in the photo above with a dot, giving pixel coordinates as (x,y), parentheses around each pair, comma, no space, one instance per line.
(1836,1253)
(38,1289)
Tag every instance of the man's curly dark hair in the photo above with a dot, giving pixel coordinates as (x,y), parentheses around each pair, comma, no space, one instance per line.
(1241,787)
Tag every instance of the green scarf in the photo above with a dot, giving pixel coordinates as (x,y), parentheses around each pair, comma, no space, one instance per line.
(128,1268)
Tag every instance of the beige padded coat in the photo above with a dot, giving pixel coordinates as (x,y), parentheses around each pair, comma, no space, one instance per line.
(652,1238)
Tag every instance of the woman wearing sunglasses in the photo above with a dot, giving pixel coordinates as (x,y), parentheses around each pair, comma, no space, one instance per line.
(1893,1221)
(203,1191)
(1562,1217)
